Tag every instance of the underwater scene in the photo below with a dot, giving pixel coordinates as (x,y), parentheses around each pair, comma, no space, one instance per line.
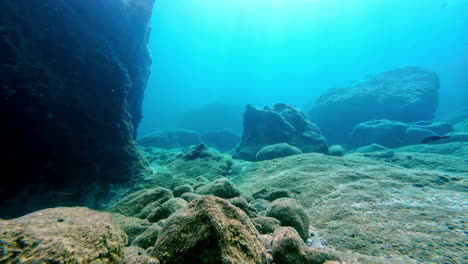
(234,131)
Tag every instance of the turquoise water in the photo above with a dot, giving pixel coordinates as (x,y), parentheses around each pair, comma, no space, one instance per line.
(262,52)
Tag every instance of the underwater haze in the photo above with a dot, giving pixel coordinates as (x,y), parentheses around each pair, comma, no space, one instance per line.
(262,52)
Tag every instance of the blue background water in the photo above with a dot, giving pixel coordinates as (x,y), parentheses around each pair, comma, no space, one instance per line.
(267,51)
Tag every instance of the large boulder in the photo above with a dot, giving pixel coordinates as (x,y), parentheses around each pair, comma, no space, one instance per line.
(170,139)
(290,213)
(209,230)
(283,124)
(73,75)
(62,235)
(391,134)
(408,94)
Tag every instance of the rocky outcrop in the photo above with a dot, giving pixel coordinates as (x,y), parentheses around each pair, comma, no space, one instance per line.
(391,134)
(283,124)
(408,94)
(72,77)
(209,230)
(169,139)
(65,235)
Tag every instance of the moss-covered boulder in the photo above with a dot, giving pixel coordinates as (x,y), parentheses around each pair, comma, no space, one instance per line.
(132,226)
(147,238)
(223,188)
(290,213)
(288,248)
(277,151)
(241,202)
(166,209)
(62,235)
(266,225)
(137,255)
(190,196)
(209,230)
(141,203)
(181,189)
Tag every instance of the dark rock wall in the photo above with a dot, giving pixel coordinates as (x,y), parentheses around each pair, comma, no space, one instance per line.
(72,77)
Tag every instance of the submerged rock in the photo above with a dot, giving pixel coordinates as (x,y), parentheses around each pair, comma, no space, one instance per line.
(396,134)
(72,87)
(137,255)
(166,209)
(266,225)
(223,140)
(147,238)
(62,235)
(132,226)
(290,213)
(181,189)
(277,151)
(223,188)
(408,94)
(172,139)
(283,124)
(209,230)
(336,150)
(142,203)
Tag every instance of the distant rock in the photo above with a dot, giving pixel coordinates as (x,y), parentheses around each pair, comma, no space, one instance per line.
(241,203)
(283,124)
(170,139)
(190,196)
(277,151)
(408,94)
(223,140)
(336,150)
(166,209)
(266,225)
(181,189)
(392,134)
(62,235)
(290,213)
(370,148)
(461,126)
(209,230)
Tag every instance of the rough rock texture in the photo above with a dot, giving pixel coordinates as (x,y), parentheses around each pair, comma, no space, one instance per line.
(62,235)
(223,140)
(283,124)
(181,189)
(290,213)
(141,203)
(223,188)
(180,138)
(137,255)
(147,238)
(288,248)
(277,151)
(209,230)
(72,77)
(391,134)
(242,203)
(166,209)
(132,226)
(407,94)
(346,200)
(266,225)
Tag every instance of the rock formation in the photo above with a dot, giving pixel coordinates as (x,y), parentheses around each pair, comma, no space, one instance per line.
(408,95)
(283,124)
(72,76)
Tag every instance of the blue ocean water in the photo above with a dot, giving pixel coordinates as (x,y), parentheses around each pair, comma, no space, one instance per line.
(263,52)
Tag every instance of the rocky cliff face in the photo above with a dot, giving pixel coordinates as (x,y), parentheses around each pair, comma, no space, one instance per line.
(72,77)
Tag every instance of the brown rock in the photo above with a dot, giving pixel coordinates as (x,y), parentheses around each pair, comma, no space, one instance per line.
(209,230)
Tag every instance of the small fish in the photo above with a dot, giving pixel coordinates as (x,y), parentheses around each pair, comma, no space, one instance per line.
(433,139)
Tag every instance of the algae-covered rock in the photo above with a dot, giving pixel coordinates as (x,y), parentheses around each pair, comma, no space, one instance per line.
(241,202)
(62,235)
(190,196)
(181,189)
(266,225)
(336,150)
(132,226)
(288,248)
(166,209)
(201,161)
(277,151)
(223,188)
(290,213)
(135,203)
(209,230)
(137,255)
(260,204)
(147,238)
(280,193)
